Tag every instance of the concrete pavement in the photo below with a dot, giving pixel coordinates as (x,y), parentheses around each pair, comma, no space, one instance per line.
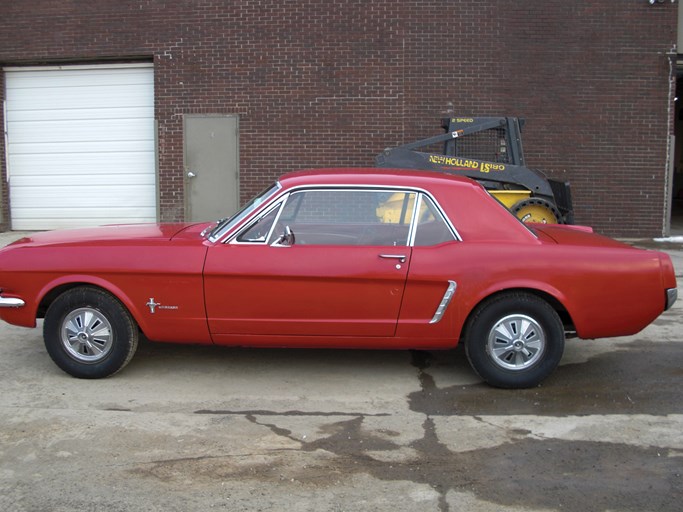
(199,428)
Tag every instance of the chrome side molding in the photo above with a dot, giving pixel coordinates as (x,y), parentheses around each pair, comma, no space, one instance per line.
(445,301)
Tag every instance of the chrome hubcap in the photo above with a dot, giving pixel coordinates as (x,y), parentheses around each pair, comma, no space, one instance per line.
(86,335)
(516,342)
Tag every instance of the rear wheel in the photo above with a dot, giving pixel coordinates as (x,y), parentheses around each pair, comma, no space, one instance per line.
(89,334)
(514,340)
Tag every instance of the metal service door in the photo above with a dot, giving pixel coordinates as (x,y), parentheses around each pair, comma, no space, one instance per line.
(211,166)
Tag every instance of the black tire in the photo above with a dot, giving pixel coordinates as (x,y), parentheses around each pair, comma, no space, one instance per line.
(514,340)
(89,334)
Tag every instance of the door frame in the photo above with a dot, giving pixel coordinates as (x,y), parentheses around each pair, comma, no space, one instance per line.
(186,191)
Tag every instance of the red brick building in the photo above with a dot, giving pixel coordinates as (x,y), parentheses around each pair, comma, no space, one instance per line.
(314,83)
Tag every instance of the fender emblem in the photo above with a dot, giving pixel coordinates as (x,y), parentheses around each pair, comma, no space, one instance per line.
(153,305)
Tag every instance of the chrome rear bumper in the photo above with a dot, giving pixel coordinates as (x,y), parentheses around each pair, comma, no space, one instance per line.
(671,296)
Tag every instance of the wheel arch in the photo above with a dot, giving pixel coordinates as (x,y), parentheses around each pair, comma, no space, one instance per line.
(55,288)
(548,297)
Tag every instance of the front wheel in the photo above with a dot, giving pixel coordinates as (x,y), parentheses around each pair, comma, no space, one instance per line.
(89,334)
(514,340)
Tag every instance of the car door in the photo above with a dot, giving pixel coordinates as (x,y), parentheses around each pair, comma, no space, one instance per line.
(341,272)
(430,309)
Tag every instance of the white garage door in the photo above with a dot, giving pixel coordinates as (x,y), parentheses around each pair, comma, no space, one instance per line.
(80,145)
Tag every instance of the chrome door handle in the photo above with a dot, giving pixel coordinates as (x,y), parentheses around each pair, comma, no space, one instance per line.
(400,257)
(190,174)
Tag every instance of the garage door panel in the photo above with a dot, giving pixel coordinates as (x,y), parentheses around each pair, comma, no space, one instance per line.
(83,217)
(99,181)
(84,213)
(54,114)
(74,77)
(78,97)
(81,146)
(78,88)
(81,130)
(51,99)
(131,163)
(84,195)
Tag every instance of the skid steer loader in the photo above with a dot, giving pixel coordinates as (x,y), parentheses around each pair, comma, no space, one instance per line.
(489,150)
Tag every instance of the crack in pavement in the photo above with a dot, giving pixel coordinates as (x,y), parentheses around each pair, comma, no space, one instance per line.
(527,470)
(262,412)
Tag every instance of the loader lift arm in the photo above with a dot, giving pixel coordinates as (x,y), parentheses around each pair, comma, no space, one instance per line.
(528,193)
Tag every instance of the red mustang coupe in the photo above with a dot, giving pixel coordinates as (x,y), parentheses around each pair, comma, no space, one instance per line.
(343,258)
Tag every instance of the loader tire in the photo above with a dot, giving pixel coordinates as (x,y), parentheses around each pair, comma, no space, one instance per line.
(537,210)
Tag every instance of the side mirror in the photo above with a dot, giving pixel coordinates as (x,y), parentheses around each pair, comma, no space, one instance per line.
(286,239)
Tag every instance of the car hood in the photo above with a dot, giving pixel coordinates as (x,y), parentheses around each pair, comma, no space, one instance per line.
(112,234)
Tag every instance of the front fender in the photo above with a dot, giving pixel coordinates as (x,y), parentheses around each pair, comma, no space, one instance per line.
(177,314)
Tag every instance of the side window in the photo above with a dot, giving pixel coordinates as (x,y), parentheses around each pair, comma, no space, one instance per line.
(431,227)
(258,232)
(349,217)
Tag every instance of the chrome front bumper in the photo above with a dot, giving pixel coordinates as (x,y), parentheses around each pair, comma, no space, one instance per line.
(671,296)
(10,302)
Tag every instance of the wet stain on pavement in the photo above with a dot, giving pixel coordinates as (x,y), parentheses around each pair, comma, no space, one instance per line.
(642,378)
(531,472)
(528,471)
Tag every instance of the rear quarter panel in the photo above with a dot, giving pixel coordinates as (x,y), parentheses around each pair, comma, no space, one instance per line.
(608,291)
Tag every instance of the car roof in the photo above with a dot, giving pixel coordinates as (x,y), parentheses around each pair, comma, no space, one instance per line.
(373,176)
(492,221)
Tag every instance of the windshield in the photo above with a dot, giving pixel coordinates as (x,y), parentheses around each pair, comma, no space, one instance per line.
(228,223)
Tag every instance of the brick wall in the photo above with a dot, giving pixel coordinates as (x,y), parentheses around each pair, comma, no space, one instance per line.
(317,83)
